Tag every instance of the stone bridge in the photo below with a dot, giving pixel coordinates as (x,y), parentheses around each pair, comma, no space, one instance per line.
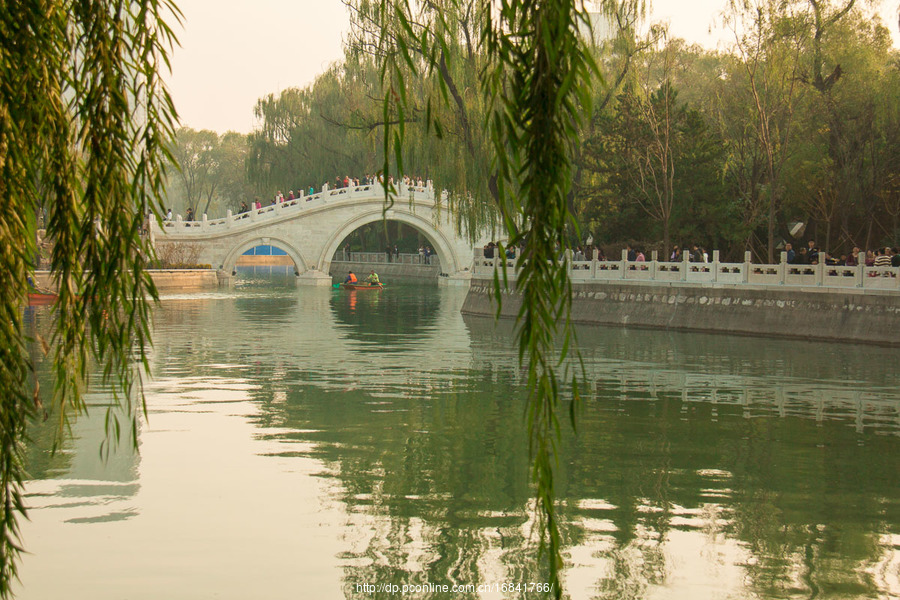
(312,228)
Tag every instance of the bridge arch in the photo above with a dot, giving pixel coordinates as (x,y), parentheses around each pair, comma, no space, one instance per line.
(228,265)
(443,247)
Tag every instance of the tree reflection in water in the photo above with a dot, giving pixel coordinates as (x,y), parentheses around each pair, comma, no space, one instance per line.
(704,466)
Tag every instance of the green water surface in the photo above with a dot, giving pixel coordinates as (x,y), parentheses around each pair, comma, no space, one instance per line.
(309,443)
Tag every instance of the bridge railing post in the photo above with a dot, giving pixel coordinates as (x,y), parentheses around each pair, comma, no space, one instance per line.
(715,265)
(783,268)
(748,258)
(654,264)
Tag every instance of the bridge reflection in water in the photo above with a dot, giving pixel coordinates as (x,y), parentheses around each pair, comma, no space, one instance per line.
(705,466)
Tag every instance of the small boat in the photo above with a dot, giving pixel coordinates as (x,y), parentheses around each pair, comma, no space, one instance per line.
(40,298)
(362,286)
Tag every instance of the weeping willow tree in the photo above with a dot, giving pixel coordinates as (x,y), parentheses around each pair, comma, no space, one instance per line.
(298,143)
(534,84)
(83,123)
(339,125)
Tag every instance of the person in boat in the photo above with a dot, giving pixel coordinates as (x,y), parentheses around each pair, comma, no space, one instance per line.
(372,279)
(351,278)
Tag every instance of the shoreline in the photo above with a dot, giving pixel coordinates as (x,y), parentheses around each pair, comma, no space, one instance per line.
(818,314)
(165,279)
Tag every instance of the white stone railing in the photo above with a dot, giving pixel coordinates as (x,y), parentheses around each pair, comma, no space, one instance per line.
(381,257)
(290,208)
(781,274)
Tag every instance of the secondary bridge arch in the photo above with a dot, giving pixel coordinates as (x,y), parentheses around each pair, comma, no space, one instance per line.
(450,262)
(310,230)
(228,264)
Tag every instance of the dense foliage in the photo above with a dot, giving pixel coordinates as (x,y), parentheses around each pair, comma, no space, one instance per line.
(795,122)
(84,120)
(207,173)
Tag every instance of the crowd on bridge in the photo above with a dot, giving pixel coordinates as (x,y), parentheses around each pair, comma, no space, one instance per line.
(339,183)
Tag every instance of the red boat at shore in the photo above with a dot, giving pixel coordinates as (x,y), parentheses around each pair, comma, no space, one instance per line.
(41,298)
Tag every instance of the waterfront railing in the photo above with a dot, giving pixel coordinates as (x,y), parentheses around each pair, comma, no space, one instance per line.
(714,272)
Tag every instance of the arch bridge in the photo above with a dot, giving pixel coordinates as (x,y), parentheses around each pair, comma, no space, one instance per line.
(312,228)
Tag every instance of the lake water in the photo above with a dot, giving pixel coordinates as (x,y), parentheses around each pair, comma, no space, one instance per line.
(309,443)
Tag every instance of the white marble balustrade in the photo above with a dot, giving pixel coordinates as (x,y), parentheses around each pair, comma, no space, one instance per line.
(290,208)
(716,272)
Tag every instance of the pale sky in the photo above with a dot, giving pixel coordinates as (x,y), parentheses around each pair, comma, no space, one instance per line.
(233,53)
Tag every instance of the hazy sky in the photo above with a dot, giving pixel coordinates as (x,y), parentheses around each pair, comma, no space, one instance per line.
(233,53)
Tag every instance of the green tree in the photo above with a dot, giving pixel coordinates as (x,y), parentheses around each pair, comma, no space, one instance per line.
(617,48)
(234,185)
(339,124)
(853,91)
(207,169)
(84,119)
(194,165)
(769,55)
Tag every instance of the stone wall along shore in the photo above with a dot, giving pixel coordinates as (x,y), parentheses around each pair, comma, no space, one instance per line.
(166,280)
(870,316)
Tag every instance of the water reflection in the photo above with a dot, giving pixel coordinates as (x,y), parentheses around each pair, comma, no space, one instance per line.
(705,466)
(73,478)
(394,319)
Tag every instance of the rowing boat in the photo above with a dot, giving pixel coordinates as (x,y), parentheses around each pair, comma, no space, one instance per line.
(362,286)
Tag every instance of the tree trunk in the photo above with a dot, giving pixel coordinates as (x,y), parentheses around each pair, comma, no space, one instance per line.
(666,240)
(770,254)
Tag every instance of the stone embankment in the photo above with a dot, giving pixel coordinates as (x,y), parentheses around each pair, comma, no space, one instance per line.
(166,280)
(810,313)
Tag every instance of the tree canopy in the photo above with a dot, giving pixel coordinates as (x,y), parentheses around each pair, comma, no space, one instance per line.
(794,121)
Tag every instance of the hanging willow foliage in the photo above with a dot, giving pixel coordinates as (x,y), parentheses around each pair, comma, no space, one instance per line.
(536,85)
(84,119)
